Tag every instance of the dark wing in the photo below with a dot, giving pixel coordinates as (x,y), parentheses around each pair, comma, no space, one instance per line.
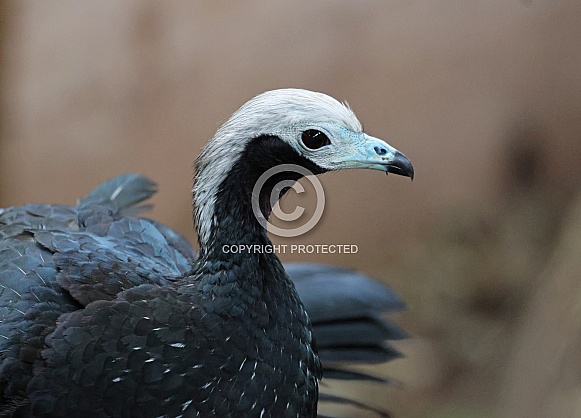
(93,267)
(30,299)
(56,259)
(346,309)
(120,196)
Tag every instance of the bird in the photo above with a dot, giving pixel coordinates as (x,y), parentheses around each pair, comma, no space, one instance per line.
(107,313)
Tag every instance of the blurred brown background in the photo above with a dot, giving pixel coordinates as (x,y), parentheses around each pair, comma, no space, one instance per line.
(484,97)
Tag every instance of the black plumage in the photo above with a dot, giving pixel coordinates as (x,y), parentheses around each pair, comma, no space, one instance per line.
(103,313)
(56,260)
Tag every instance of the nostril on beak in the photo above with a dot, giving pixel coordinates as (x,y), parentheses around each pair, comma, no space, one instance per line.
(380,151)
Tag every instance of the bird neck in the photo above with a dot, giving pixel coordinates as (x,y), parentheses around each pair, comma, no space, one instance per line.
(226,218)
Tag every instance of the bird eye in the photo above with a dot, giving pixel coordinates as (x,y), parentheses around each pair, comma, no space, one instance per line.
(314,139)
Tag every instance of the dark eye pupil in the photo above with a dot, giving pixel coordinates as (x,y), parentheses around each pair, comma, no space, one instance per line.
(314,139)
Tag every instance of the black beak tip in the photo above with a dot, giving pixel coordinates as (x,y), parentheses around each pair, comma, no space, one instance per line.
(401,165)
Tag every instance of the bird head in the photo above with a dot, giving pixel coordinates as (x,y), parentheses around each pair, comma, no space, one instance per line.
(286,126)
(316,126)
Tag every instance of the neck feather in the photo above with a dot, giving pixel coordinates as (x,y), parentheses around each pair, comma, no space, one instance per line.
(223,199)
